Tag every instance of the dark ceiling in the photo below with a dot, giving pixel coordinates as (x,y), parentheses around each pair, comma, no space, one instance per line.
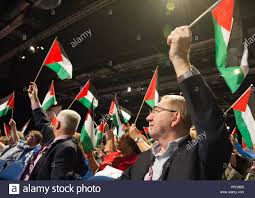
(128,41)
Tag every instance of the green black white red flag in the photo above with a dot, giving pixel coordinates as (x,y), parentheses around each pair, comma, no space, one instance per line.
(231,50)
(244,110)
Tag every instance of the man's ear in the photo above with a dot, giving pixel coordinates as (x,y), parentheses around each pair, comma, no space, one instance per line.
(176,118)
(58,125)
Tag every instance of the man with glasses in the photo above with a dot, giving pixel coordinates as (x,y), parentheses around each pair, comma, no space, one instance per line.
(170,121)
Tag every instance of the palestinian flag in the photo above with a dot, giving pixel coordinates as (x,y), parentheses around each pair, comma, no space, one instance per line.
(244,110)
(126,115)
(6,104)
(235,133)
(87,95)
(114,112)
(54,120)
(152,96)
(244,145)
(146,130)
(7,130)
(99,133)
(58,61)
(87,138)
(231,54)
(121,130)
(25,126)
(50,98)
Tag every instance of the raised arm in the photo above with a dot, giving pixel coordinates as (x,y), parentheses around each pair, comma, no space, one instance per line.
(206,115)
(14,133)
(42,122)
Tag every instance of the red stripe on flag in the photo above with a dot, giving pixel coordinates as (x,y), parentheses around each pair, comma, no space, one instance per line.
(84,91)
(243,101)
(54,54)
(152,87)
(146,129)
(52,91)
(11,102)
(54,120)
(7,130)
(223,13)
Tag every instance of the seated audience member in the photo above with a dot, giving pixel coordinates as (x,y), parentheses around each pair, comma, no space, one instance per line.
(240,162)
(246,153)
(19,147)
(170,121)
(238,168)
(122,158)
(61,158)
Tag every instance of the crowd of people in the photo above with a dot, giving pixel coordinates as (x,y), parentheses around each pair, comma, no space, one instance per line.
(53,153)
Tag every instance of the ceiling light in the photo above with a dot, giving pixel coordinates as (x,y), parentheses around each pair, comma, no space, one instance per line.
(32,49)
(129,89)
(42,48)
(23,57)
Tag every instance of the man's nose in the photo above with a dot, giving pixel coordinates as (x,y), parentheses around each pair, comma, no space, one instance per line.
(149,117)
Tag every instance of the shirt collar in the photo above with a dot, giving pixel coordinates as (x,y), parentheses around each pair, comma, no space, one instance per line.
(61,137)
(172,146)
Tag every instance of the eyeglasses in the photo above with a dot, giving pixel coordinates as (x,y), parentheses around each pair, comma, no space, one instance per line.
(157,110)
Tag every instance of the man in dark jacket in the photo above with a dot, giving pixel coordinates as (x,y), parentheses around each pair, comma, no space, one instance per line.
(176,156)
(61,158)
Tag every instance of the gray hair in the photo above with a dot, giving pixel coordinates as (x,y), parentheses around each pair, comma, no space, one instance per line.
(179,104)
(69,120)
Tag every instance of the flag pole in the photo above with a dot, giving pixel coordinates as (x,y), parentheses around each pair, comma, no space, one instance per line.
(37,75)
(95,123)
(144,98)
(204,13)
(25,126)
(13,105)
(77,96)
(237,100)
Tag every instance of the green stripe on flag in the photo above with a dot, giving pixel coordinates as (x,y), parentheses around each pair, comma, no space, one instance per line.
(151,103)
(99,138)
(85,140)
(4,111)
(49,103)
(85,102)
(61,72)
(233,75)
(242,127)
(221,46)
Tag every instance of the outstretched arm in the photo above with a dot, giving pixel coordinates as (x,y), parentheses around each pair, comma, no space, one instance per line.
(42,122)
(14,133)
(205,113)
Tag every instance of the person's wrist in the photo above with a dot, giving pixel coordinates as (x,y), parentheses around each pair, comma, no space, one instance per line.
(34,99)
(181,65)
(35,103)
